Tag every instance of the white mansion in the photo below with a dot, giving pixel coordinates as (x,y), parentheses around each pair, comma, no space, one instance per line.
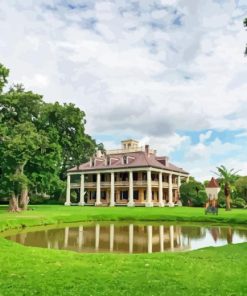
(132,176)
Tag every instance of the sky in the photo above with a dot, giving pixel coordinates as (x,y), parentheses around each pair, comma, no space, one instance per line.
(169,73)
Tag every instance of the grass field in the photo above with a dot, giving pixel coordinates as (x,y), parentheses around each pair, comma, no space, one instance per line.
(34,271)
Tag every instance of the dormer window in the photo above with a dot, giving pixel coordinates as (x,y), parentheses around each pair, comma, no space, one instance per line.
(125,160)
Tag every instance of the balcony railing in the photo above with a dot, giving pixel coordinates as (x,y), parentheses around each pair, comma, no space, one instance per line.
(128,150)
(107,184)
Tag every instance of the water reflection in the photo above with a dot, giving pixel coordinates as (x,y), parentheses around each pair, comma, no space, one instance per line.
(131,238)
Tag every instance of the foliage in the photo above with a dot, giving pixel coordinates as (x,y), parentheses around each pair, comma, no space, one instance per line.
(68,121)
(193,193)
(227,179)
(241,187)
(238,203)
(39,141)
(4,73)
(221,199)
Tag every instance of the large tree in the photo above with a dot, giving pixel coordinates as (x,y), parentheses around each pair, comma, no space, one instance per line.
(38,143)
(227,179)
(69,123)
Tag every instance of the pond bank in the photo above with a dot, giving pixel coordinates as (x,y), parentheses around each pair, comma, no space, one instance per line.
(47,215)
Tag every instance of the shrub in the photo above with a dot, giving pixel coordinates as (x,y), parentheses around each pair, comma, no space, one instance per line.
(239,203)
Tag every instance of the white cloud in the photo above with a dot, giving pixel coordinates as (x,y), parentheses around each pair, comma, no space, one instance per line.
(205,136)
(149,69)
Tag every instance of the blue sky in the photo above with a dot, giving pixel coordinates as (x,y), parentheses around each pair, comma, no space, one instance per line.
(170,73)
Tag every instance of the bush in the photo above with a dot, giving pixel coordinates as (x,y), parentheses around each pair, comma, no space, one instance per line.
(221,200)
(239,203)
(37,199)
(193,194)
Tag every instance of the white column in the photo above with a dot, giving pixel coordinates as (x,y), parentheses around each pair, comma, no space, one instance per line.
(82,192)
(80,237)
(112,201)
(97,231)
(67,203)
(161,228)
(111,237)
(150,238)
(98,192)
(149,202)
(131,237)
(172,237)
(131,190)
(56,244)
(170,195)
(66,237)
(161,202)
(48,244)
(179,203)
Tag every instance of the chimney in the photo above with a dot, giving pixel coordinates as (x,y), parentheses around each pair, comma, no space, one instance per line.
(98,153)
(90,162)
(147,149)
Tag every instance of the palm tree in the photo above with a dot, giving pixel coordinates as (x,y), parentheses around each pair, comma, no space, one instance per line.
(227,179)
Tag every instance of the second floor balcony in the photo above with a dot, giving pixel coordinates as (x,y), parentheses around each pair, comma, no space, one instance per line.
(136,183)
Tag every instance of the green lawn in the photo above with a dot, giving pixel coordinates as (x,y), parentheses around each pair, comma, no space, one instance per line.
(34,271)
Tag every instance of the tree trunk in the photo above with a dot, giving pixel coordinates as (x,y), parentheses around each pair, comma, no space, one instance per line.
(24,200)
(13,204)
(229,235)
(228,202)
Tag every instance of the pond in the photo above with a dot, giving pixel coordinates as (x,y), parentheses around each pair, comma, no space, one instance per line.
(130,238)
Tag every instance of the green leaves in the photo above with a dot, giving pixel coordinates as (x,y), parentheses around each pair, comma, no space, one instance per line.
(193,193)
(39,141)
(227,177)
(4,73)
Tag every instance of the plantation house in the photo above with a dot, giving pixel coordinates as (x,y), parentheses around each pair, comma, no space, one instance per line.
(132,176)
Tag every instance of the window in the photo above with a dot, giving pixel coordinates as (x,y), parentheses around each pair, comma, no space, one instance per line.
(124,195)
(103,195)
(135,176)
(125,159)
(136,194)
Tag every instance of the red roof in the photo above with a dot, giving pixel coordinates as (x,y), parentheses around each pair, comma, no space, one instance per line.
(138,159)
(213,183)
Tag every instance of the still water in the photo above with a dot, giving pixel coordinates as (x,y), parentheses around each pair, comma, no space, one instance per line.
(131,238)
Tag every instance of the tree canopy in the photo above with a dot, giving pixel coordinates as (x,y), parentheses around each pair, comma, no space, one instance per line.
(39,141)
(193,193)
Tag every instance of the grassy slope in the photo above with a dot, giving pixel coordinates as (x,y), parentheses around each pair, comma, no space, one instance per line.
(34,271)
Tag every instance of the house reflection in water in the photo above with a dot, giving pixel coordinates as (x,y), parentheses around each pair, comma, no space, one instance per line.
(130,238)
